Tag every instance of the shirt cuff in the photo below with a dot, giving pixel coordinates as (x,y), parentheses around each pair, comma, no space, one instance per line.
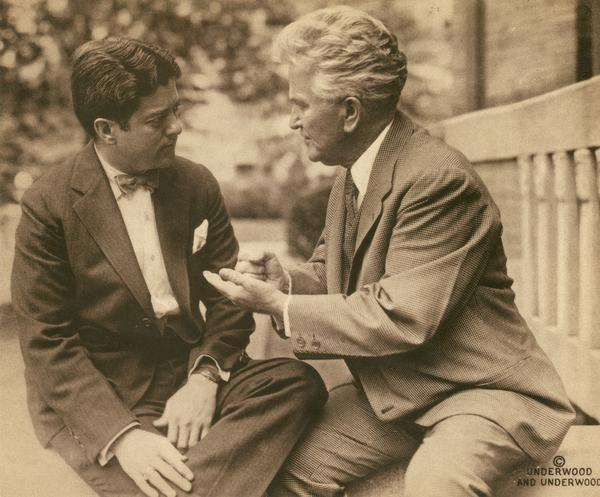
(106,454)
(282,325)
(286,317)
(223,374)
(286,307)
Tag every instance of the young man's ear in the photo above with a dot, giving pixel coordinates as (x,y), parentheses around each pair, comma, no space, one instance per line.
(352,113)
(104,129)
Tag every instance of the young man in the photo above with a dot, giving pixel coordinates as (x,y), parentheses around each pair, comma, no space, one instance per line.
(126,379)
(408,284)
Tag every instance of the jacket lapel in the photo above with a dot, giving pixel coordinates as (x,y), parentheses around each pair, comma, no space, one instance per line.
(172,209)
(336,221)
(380,181)
(98,211)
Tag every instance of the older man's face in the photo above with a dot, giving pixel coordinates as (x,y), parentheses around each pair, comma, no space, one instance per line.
(319,121)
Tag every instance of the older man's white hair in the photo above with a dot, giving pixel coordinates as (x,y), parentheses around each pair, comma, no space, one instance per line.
(351,53)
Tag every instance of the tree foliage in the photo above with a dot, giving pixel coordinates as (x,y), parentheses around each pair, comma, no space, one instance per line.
(222,45)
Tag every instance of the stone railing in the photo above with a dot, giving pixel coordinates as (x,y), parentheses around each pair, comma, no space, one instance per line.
(551,141)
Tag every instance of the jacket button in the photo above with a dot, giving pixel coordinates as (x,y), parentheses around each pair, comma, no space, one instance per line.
(146,322)
(301,342)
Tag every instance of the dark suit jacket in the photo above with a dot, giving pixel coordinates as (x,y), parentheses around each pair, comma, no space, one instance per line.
(87,327)
(432,329)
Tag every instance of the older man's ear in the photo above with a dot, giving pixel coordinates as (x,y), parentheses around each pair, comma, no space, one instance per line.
(353,109)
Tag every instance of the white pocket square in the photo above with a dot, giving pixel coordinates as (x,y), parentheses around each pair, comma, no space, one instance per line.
(200,236)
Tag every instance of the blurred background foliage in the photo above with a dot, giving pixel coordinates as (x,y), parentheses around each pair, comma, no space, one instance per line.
(223,47)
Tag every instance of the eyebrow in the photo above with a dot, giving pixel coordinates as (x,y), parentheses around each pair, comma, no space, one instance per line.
(161,112)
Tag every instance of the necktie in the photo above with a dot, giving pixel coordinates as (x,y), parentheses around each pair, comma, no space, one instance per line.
(350,194)
(128,183)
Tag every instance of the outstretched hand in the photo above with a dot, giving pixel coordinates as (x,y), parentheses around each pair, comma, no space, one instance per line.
(265,266)
(248,292)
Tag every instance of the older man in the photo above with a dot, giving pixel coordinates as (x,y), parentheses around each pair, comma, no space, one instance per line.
(407,284)
(126,380)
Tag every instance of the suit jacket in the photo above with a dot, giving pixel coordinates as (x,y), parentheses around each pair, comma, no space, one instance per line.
(87,327)
(431,329)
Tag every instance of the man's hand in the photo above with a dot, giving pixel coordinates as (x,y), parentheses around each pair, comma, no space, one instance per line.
(248,292)
(189,412)
(265,266)
(150,460)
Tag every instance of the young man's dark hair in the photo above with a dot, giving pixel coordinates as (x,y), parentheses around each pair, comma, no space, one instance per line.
(109,77)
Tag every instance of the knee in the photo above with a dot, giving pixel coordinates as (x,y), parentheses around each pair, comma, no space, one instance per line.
(445,478)
(309,389)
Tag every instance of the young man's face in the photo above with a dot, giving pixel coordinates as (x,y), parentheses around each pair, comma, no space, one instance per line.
(319,121)
(150,138)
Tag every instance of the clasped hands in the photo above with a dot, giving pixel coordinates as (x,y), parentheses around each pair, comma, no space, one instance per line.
(151,460)
(256,284)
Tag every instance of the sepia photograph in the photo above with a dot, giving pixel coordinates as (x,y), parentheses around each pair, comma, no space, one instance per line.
(310,248)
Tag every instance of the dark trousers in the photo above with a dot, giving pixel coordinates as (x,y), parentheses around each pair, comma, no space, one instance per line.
(261,413)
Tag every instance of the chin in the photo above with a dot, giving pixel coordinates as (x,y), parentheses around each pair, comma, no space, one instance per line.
(314,155)
(165,161)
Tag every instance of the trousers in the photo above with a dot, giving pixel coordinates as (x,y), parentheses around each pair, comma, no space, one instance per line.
(261,412)
(460,456)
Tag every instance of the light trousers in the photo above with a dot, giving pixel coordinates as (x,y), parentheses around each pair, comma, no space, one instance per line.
(460,456)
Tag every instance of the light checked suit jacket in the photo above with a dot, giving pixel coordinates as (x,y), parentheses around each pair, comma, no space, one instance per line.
(87,327)
(430,325)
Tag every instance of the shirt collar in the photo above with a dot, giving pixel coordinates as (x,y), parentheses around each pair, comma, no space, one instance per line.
(111,172)
(361,169)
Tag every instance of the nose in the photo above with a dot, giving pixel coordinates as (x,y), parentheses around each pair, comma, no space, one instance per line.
(174,127)
(295,118)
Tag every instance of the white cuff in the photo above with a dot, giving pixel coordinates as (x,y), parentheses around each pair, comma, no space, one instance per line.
(106,454)
(223,374)
(286,307)
(286,317)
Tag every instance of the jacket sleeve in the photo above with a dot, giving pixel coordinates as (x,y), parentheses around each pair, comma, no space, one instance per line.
(228,327)
(43,298)
(446,227)
(311,277)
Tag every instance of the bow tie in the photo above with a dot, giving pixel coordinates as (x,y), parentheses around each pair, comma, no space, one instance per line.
(128,183)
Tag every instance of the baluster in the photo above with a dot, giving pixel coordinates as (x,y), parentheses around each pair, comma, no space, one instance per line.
(567,243)
(546,239)
(529,296)
(589,248)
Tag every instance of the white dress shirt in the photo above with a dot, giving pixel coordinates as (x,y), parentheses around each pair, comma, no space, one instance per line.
(361,172)
(138,214)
